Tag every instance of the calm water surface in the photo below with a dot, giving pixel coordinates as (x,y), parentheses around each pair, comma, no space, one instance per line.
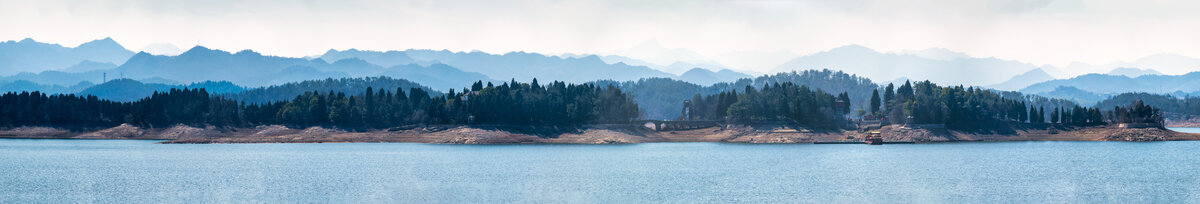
(1186,129)
(139,171)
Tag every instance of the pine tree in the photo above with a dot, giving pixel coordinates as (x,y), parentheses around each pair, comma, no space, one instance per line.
(875,102)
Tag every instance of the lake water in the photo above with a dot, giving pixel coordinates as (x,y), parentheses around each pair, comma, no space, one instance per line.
(1186,129)
(139,171)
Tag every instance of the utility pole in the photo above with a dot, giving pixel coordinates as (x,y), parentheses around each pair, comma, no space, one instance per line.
(105,79)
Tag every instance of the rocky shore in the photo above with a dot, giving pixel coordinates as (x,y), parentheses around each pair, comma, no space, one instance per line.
(607,134)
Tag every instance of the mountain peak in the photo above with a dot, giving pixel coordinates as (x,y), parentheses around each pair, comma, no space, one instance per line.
(1037,71)
(938,53)
(248,52)
(1034,76)
(351,61)
(200,51)
(1133,72)
(697,70)
(106,43)
(856,48)
(198,48)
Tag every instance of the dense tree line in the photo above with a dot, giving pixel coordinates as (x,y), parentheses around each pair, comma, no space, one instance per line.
(556,103)
(177,106)
(350,86)
(973,108)
(1136,112)
(1167,103)
(921,102)
(774,102)
(662,98)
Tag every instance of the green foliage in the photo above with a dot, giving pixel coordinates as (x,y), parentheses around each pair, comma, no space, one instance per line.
(515,103)
(351,86)
(875,102)
(1171,104)
(974,108)
(775,102)
(662,98)
(1136,112)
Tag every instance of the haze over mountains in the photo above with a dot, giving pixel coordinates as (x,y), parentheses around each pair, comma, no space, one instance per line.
(31,65)
(1023,80)
(1110,84)
(28,55)
(887,66)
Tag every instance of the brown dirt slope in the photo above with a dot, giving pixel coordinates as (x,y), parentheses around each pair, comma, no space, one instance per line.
(600,134)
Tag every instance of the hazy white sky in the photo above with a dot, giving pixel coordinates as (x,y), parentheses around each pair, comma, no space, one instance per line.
(1038,31)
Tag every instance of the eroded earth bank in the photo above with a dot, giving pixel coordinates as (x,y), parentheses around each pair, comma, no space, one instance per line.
(596,134)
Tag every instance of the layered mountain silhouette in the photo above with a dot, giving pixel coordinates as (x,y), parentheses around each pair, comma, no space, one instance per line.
(126,90)
(88,65)
(705,77)
(1074,94)
(687,71)
(31,56)
(435,75)
(1111,84)
(887,66)
(351,86)
(29,86)
(252,69)
(386,59)
(1172,64)
(678,67)
(1023,80)
(29,65)
(201,64)
(521,66)
(61,78)
(1133,72)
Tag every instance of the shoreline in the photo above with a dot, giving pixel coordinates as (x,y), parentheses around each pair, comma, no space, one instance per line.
(592,134)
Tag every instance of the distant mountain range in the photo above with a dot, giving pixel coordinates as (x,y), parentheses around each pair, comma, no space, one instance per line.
(1023,80)
(28,65)
(31,56)
(1074,94)
(678,67)
(887,66)
(1172,64)
(387,59)
(1112,84)
(352,86)
(126,90)
(23,85)
(246,68)
(1133,72)
(705,77)
(524,66)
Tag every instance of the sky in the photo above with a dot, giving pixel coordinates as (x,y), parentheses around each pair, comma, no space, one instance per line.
(732,32)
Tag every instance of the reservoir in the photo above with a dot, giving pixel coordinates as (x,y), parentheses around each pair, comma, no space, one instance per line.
(141,171)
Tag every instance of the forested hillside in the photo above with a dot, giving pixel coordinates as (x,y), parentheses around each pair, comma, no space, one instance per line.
(1168,103)
(775,102)
(924,102)
(124,90)
(662,98)
(351,86)
(556,103)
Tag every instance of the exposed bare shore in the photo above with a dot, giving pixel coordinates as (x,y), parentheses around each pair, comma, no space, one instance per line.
(608,134)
